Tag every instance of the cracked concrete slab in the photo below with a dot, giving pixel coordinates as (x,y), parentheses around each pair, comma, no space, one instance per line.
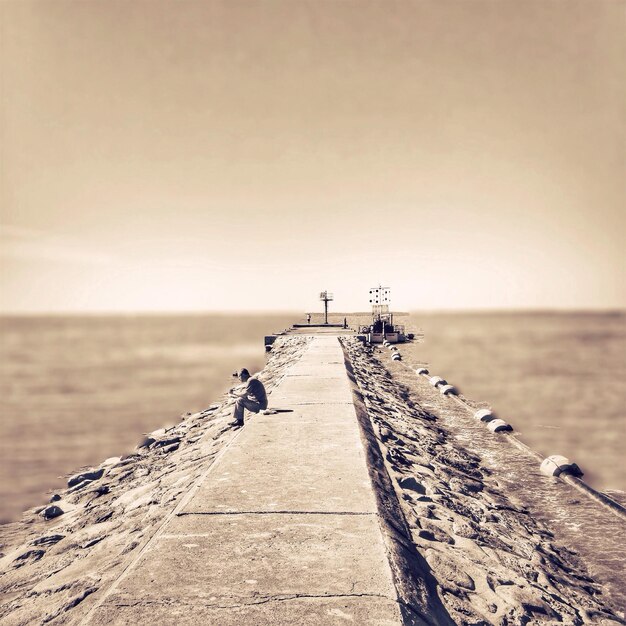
(312,390)
(327,415)
(249,479)
(331,611)
(284,528)
(325,356)
(221,558)
(317,370)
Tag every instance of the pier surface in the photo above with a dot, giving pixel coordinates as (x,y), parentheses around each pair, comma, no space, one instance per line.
(282,529)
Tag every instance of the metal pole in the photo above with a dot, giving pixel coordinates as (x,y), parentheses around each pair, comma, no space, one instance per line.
(325,311)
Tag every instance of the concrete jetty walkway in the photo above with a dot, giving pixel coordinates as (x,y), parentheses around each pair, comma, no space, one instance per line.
(282,530)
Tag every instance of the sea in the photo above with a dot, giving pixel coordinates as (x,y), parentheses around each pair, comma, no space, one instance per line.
(76,389)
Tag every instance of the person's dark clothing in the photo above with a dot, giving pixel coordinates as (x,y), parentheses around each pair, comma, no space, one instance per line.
(256,391)
(254,399)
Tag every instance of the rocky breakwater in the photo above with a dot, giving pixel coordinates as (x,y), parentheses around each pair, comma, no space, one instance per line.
(491,561)
(56,560)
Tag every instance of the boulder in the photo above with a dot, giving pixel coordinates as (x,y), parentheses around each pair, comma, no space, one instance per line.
(449,570)
(112,460)
(93,474)
(410,483)
(81,485)
(52,511)
(28,557)
(432,532)
(464,485)
(47,540)
(167,441)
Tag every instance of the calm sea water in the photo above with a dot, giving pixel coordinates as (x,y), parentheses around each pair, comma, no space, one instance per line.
(75,390)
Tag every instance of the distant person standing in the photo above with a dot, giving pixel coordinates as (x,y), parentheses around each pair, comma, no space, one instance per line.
(308,318)
(345,323)
(253,397)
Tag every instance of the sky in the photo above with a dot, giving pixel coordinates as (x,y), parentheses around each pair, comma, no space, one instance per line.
(203,155)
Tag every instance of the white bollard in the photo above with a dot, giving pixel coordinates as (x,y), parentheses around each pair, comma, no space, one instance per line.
(447,389)
(556,464)
(484,415)
(498,426)
(437,380)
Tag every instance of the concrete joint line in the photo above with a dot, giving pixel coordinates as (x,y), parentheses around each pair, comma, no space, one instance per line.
(185,513)
(328,377)
(322,403)
(281,598)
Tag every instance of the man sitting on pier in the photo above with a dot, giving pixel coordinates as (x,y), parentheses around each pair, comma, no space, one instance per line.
(253,398)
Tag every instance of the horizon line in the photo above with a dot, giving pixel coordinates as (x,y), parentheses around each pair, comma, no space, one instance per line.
(225,312)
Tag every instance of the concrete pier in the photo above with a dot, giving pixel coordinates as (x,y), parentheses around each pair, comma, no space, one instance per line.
(283,528)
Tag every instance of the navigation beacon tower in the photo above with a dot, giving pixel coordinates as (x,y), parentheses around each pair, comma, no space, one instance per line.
(326,297)
(382,327)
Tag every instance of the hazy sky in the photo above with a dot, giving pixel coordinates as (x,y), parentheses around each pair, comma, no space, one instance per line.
(182,155)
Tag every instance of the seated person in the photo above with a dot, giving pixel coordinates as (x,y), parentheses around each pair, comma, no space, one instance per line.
(253,397)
